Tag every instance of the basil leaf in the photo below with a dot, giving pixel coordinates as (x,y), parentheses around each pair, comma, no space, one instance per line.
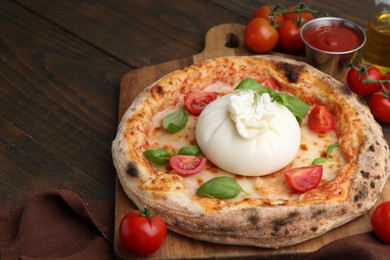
(298,107)
(190,150)
(254,85)
(319,160)
(157,155)
(330,149)
(220,188)
(175,121)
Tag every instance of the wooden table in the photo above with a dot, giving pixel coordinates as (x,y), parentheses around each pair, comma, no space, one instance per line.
(60,69)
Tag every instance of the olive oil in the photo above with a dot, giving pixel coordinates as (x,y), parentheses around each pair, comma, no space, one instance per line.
(377,47)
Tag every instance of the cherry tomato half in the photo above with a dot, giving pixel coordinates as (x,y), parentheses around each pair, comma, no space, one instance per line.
(260,36)
(270,83)
(290,40)
(142,233)
(264,12)
(379,105)
(355,78)
(380,220)
(195,102)
(294,16)
(187,164)
(304,178)
(320,119)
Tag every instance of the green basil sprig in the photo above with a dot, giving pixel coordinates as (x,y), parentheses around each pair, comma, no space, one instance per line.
(161,156)
(193,150)
(175,121)
(329,150)
(157,155)
(223,187)
(298,107)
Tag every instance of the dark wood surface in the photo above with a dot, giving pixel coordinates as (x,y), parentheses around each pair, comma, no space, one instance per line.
(60,69)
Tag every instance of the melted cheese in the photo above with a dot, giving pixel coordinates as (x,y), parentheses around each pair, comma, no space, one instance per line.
(273,186)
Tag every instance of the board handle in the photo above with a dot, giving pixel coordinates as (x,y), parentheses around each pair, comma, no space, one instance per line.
(223,40)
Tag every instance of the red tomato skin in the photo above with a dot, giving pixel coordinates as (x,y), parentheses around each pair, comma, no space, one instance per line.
(195,102)
(380,106)
(303,179)
(305,16)
(290,40)
(271,83)
(386,76)
(186,165)
(260,36)
(264,11)
(355,81)
(380,221)
(140,235)
(321,119)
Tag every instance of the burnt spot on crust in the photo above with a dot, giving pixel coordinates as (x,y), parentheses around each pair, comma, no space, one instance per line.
(253,219)
(253,215)
(365,174)
(317,213)
(292,72)
(371,148)
(347,90)
(278,224)
(372,185)
(361,194)
(227,229)
(157,90)
(132,170)
(314,229)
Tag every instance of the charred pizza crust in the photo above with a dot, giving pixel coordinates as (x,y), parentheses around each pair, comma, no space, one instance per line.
(255,221)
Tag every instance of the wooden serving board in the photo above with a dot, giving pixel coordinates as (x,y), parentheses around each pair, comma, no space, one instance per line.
(222,40)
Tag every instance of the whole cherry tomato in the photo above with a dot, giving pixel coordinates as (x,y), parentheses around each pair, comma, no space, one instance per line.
(301,17)
(142,233)
(380,220)
(320,119)
(379,105)
(264,12)
(356,77)
(304,178)
(386,76)
(260,36)
(290,40)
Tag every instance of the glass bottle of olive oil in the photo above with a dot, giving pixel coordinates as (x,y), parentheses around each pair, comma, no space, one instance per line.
(377,47)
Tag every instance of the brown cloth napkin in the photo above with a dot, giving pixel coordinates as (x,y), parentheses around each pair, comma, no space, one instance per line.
(60,225)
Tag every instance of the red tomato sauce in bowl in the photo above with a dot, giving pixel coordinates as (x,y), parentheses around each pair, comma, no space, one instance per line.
(332,38)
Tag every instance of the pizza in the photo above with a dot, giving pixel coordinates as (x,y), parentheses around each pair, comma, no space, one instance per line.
(246,167)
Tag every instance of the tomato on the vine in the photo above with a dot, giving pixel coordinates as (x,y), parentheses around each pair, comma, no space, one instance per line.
(320,119)
(260,35)
(380,220)
(379,105)
(265,11)
(356,77)
(195,102)
(187,164)
(301,17)
(304,178)
(142,233)
(290,40)
(386,76)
